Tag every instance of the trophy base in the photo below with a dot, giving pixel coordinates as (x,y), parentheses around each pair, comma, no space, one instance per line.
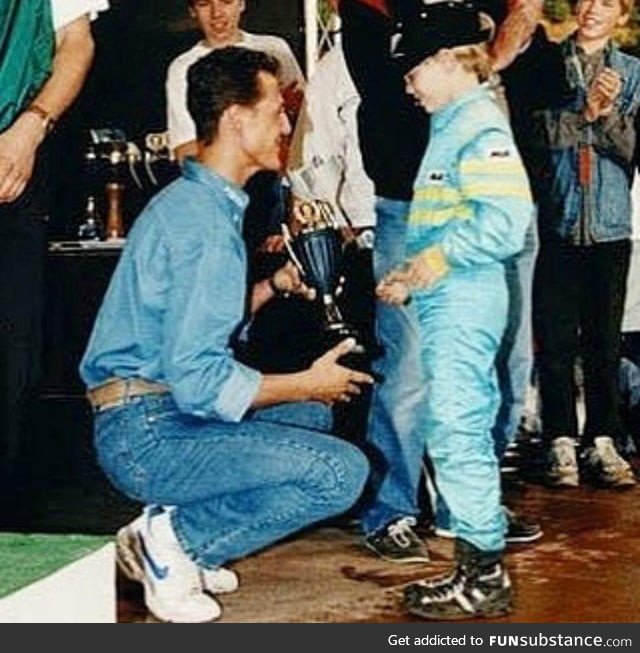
(336,333)
(360,357)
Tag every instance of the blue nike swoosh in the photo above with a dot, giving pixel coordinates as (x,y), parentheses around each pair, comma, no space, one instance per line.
(159,572)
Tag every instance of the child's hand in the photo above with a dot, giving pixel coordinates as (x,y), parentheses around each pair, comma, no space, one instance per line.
(393,292)
(602,94)
(417,273)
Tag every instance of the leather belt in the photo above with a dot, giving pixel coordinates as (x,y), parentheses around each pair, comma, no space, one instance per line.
(116,392)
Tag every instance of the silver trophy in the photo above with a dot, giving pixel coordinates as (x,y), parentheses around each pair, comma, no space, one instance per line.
(316,249)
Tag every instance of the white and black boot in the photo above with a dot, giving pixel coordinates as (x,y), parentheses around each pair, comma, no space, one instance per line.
(479,586)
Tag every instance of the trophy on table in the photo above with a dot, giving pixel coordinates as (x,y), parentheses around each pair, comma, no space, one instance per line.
(315,245)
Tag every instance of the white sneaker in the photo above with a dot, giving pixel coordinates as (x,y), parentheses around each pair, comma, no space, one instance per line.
(563,469)
(606,466)
(171,580)
(129,559)
(444,533)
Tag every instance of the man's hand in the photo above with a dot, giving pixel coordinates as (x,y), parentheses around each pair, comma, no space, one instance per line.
(19,143)
(273,244)
(331,382)
(18,147)
(602,94)
(287,280)
(515,32)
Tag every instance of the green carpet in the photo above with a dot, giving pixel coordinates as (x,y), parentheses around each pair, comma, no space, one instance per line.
(28,558)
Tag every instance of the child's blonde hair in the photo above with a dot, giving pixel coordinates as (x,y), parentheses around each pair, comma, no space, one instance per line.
(475,59)
(627,7)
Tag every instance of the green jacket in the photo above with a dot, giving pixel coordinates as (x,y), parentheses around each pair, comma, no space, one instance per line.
(27,46)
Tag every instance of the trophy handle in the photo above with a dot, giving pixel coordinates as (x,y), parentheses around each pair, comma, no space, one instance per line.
(326,211)
(287,243)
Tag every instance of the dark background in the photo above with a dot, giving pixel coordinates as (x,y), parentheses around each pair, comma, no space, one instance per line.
(135,42)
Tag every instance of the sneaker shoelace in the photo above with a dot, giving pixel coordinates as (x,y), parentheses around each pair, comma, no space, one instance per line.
(401,532)
(430,583)
(446,588)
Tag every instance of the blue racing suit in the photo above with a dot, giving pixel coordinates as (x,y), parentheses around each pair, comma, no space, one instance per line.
(470,212)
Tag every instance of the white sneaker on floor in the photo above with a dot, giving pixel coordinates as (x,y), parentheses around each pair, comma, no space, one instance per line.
(563,467)
(606,466)
(171,580)
(129,559)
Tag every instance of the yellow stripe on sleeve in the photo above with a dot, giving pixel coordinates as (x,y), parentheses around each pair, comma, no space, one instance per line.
(491,167)
(440,216)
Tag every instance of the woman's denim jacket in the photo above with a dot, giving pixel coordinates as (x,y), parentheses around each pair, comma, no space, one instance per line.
(559,133)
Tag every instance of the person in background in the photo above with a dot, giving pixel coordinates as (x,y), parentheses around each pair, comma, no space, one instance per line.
(219,23)
(47,50)
(325,162)
(585,225)
(325,156)
(629,376)
(228,460)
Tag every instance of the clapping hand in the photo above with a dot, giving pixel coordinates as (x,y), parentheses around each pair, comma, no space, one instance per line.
(602,94)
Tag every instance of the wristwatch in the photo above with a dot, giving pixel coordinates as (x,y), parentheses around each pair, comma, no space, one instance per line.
(48,121)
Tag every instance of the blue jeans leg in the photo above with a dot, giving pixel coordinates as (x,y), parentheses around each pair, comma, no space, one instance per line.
(515,358)
(395,445)
(236,488)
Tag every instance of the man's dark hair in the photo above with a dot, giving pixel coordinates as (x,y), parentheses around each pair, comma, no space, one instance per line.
(225,77)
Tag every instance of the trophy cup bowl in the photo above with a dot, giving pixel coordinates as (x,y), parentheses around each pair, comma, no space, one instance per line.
(316,249)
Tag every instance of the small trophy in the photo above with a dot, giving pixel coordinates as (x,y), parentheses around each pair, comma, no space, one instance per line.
(316,249)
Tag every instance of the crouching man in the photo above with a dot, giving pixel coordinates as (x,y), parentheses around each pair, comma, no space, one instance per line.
(178,424)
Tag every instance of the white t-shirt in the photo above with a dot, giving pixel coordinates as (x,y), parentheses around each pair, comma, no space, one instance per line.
(325,160)
(66,11)
(179,123)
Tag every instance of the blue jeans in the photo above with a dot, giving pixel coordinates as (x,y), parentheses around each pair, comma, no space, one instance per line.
(237,487)
(515,358)
(462,320)
(393,433)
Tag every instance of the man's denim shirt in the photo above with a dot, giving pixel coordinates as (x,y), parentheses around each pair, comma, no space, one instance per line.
(178,297)
(561,131)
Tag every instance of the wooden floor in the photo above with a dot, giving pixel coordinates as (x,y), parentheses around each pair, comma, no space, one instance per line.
(585,569)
